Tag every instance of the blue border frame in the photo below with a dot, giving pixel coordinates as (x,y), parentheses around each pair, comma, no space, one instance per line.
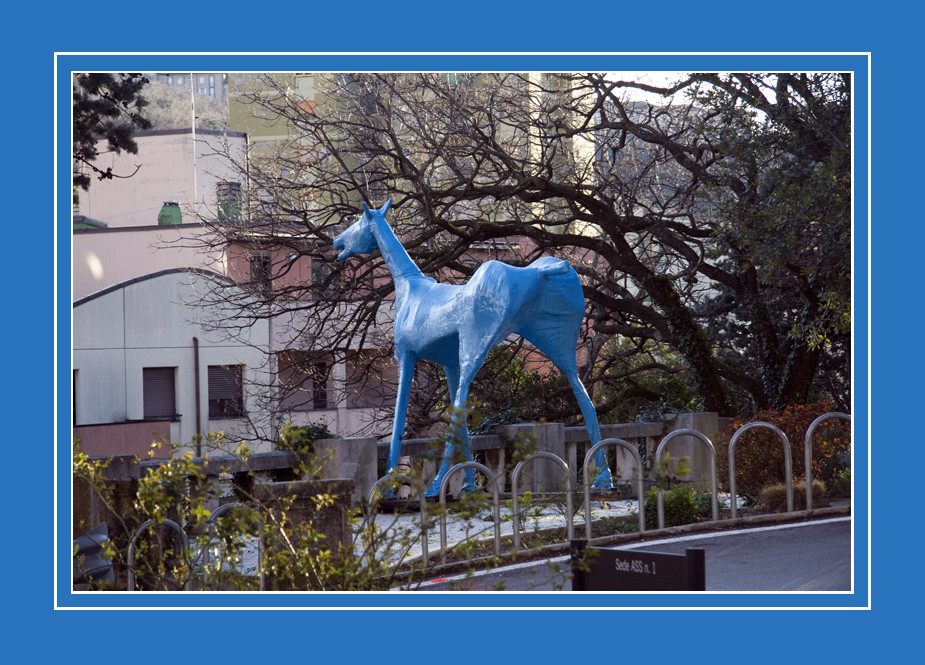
(858,64)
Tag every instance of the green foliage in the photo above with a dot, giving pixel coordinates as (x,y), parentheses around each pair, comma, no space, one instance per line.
(641,381)
(670,469)
(682,506)
(507,392)
(107,107)
(528,510)
(297,554)
(840,484)
(787,230)
(299,439)
(165,492)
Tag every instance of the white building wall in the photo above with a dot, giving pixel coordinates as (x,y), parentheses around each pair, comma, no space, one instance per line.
(145,323)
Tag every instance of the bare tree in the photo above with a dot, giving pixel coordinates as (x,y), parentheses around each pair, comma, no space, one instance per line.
(711,229)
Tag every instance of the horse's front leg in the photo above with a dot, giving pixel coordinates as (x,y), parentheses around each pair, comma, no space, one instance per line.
(406,364)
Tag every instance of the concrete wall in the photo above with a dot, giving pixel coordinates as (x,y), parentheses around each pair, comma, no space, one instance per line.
(540,475)
(135,439)
(693,447)
(353,458)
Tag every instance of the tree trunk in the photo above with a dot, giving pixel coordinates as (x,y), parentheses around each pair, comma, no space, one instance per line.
(690,339)
(798,375)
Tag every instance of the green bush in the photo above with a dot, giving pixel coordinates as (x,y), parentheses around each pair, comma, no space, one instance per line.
(300,439)
(680,506)
(297,553)
(840,484)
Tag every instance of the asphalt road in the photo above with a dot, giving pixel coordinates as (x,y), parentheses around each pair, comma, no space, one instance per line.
(804,556)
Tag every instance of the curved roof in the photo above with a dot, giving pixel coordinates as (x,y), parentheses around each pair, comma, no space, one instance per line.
(210,274)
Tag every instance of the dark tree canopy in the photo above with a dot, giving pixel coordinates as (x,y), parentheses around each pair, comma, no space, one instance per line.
(710,224)
(107,107)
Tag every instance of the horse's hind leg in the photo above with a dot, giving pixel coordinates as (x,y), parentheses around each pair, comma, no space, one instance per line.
(457,434)
(603,480)
(559,346)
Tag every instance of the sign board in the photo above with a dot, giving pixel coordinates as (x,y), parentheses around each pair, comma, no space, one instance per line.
(602,569)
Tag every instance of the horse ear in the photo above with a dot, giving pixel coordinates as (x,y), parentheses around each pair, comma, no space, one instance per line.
(385,208)
(365,208)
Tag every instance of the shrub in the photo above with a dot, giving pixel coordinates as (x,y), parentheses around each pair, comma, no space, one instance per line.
(680,506)
(300,439)
(759,455)
(774,497)
(297,554)
(840,485)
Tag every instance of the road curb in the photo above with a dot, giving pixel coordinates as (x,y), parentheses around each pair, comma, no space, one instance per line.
(795,516)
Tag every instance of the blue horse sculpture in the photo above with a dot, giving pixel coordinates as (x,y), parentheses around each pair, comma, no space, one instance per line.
(457,325)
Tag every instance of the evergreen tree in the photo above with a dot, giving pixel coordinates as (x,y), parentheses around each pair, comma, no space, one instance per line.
(107,107)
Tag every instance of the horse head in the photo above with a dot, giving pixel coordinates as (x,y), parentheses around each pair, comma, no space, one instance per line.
(359,237)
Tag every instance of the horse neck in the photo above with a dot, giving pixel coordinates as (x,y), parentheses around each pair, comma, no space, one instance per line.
(396,258)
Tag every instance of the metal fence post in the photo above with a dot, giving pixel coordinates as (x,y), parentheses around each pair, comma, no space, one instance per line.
(515,480)
(788,467)
(587,484)
(492,480)
(808,452)
(713,485)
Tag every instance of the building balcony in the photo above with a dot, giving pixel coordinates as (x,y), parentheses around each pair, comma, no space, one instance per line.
(128,438)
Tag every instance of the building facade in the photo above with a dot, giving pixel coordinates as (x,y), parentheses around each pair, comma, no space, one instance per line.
(145,369)
(207,84)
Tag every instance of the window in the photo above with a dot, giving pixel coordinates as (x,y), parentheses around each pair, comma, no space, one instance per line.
(320,392)
(325,284)
(372,379)
(159,392)
(303,381)
(226,392)
(260,273)
(179,80)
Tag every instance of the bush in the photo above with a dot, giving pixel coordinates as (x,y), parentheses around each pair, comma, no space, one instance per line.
(840,485)
(680,506)
(298,552)
(773,498)
(759,455)
(300,439)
